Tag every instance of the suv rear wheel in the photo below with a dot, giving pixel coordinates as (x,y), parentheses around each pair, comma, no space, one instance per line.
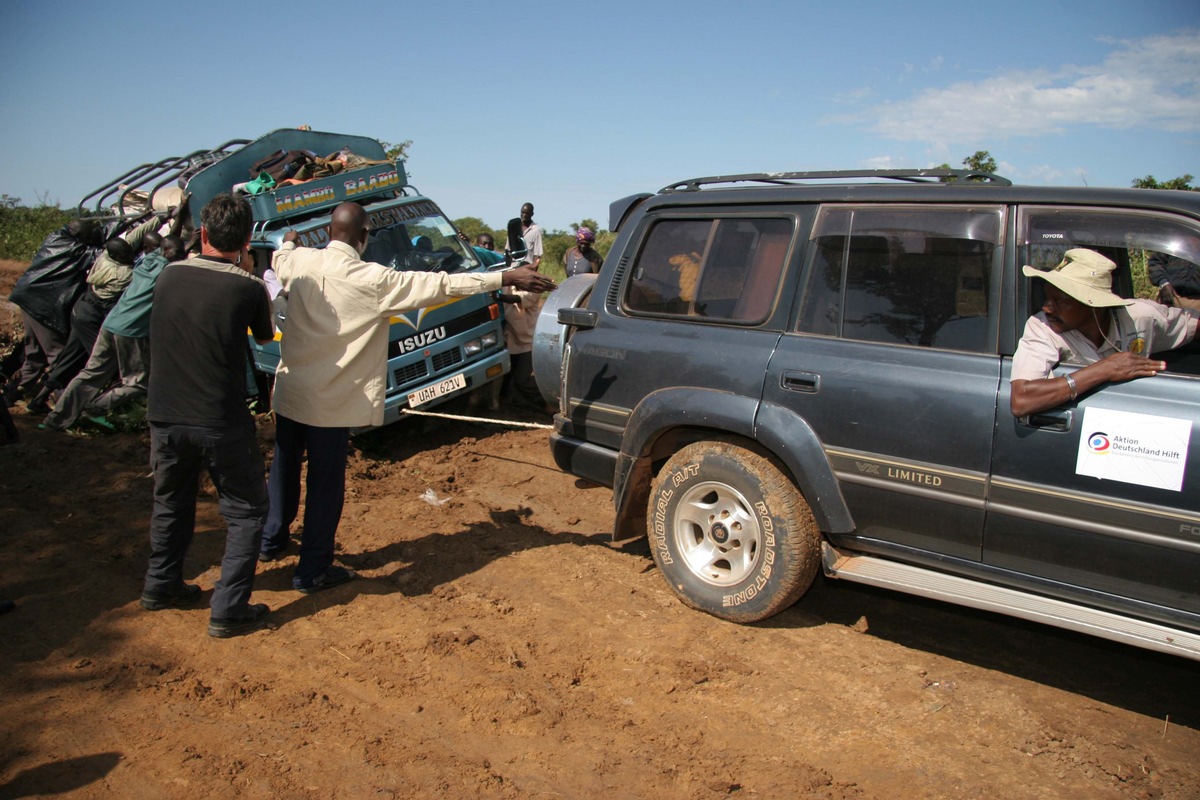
(730,532)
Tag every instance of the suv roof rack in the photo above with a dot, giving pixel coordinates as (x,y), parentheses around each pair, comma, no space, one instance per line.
(934,175)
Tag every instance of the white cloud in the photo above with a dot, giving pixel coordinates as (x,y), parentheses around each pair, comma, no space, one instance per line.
(1147,82)
(857,95)
(879,162)
(1038,173)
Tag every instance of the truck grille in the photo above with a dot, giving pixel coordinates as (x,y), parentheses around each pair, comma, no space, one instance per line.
(447,359)
(410,373)
(421,369)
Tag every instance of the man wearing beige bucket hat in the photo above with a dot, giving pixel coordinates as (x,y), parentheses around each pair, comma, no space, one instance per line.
(1082,322)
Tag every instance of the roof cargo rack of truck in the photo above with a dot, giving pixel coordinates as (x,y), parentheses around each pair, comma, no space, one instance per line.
(135,190)
(206,173)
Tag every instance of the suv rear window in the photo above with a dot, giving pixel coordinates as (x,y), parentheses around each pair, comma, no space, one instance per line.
(902,275)
(719,269)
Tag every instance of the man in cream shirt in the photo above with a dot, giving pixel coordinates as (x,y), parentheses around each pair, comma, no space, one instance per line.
(332,374)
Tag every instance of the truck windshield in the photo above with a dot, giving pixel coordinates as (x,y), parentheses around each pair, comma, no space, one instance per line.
(408,238)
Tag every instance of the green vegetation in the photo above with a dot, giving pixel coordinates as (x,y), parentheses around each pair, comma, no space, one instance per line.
(398,150)
(1141,281)
(982,161)
(23,229)
(1182,183)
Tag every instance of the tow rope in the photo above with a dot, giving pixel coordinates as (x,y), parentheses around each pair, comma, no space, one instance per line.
(483,420)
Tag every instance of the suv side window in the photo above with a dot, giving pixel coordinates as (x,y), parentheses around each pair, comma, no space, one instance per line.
(719,269)
(1130,238)
(902,275)
(1137,241)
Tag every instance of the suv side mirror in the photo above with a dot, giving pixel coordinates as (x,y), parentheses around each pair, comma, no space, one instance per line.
(516,249)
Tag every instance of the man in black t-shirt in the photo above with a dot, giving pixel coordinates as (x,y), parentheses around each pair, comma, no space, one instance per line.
(199,420)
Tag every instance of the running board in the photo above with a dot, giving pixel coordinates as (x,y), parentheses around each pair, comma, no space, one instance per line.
(963,591)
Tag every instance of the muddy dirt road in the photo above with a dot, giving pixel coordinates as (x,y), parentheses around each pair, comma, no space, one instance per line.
(499,645)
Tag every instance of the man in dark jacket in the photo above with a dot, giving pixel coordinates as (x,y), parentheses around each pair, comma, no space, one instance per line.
(46,293)
(198,417)
(1177,279)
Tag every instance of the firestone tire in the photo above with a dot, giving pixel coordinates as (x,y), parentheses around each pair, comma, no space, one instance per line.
(730,532)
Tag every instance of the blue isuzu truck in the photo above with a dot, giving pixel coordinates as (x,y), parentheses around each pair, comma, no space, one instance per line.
(434,353)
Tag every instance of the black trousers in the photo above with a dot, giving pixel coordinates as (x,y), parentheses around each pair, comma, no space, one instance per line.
(177,455)
(86,319)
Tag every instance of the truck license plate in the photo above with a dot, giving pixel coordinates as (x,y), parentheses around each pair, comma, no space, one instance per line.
(437,390)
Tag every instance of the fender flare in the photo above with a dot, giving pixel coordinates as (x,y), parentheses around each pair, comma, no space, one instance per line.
(800,452)
(803,453)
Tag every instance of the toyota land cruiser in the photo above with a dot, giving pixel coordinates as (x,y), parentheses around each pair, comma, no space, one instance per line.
(778,373)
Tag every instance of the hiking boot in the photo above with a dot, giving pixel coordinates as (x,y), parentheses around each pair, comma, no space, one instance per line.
(334,576)
(245,620)
(185,595)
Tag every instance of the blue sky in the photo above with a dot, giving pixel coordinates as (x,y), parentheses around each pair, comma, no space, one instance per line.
(571,106)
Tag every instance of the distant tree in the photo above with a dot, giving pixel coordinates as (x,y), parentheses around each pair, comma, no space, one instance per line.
(396,151)
(473,226)
(586,223)
(1182,183)
(982,161)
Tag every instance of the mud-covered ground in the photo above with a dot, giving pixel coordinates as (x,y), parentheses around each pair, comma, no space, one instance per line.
(499,645)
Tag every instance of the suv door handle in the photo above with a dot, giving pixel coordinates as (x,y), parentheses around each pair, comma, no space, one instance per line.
(1059,421)
(794,381)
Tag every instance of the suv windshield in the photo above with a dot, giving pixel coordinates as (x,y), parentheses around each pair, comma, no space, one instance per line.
(417,237)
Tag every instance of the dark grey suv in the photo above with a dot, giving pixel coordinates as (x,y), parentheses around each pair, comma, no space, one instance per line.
(782,372)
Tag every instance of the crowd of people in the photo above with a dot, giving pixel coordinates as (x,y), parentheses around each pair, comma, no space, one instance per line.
(171,322)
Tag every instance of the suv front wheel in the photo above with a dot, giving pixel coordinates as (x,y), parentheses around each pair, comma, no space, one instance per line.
(730,532)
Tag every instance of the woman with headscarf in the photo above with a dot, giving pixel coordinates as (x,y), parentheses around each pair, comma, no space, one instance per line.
(582,258)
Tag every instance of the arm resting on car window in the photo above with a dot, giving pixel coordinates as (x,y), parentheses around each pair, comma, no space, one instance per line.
(1029,397)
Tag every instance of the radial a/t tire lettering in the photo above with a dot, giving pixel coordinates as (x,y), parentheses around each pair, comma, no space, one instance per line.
(730,532)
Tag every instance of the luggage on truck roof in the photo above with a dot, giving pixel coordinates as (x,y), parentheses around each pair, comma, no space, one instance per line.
(206,173)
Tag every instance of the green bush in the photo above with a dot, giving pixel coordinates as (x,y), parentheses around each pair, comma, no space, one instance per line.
(23,229)
(1141,281)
